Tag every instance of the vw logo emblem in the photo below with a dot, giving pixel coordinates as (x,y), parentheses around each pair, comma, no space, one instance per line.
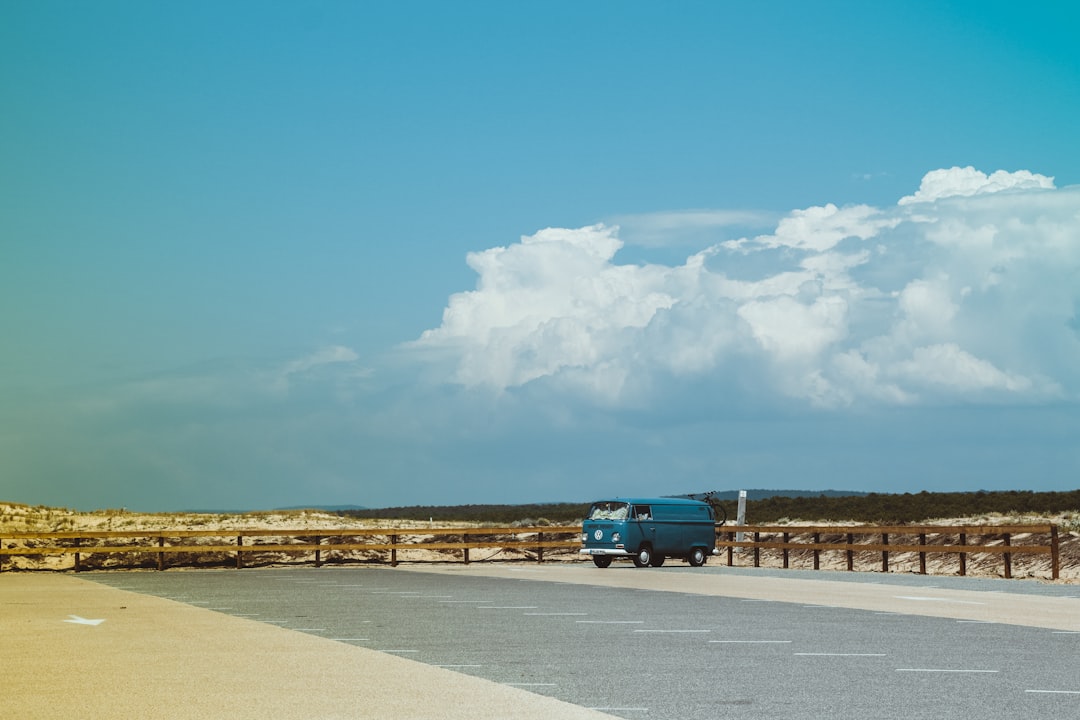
(598,534)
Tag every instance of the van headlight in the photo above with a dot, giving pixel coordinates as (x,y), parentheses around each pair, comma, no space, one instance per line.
(584,537)
(616,537)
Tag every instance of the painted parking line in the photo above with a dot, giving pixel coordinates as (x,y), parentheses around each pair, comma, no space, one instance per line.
(945,670)
(923,598)
(610,622)
(823,654)
(507,607)
(619,709)
(673,631)
(752,642)
(1055,692)
(556,614)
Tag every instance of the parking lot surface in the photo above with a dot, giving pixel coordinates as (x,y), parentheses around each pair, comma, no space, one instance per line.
(652,643)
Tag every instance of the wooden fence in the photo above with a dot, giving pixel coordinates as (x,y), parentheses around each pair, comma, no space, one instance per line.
(920,540)
(188,547)
(383,544)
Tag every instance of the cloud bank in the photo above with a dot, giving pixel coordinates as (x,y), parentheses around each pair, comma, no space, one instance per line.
(966,291)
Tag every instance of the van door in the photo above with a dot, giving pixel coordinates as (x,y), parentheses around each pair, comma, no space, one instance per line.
(643,518)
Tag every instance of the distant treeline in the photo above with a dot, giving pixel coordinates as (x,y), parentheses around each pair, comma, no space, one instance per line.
(556,513)
(871,507)
(905,508)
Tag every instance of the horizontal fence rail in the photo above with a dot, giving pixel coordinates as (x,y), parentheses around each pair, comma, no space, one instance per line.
(921,540)
(385,543)
(182,547)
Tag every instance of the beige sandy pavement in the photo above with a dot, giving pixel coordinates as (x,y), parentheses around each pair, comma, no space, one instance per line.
(1057,613)
(71,648)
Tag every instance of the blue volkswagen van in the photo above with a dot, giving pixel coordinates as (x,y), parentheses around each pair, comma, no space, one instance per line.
(649,530)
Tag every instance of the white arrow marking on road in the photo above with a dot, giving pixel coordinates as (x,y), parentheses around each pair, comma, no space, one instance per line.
(83,621)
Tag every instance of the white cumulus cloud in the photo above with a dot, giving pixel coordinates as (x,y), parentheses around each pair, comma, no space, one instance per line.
(968,181)
(967,290)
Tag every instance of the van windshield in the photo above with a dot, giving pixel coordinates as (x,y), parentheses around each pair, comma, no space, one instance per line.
(608,511)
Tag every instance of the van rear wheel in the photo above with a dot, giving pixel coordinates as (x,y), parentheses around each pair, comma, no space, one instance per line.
(697,557)
(644,556)
(601,561)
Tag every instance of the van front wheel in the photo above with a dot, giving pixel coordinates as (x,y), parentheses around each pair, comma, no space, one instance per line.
(697,557)
(643,557)
(601,561)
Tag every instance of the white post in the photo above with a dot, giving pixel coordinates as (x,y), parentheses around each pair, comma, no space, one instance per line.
(741,517)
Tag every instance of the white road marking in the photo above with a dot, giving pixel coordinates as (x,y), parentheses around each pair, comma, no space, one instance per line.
(555,614)
(753,642)
(821,654)
(76,620)
(1055,692)
(611,622)
(921,598)
(617,709)
(944,670)
(507,607)
(672,631)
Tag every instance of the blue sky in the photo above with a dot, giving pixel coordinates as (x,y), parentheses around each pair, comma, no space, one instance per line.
(259,254)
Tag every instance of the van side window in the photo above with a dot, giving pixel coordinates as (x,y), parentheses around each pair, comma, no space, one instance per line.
(642,512)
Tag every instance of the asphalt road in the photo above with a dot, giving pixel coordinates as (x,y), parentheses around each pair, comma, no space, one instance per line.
(652,654)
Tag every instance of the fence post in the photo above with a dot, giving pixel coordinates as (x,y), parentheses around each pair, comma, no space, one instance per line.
(757,550)
(817,552)
(922,555)
(1008,557)
(540,547)
(239,553)
(787,537)
(318,559)
(963,556)
(884,553)
(730,549)
(393,551)
(161,555)
(1054,557)
(850,552)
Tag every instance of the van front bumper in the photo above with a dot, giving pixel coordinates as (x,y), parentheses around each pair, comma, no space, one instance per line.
(604,551)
